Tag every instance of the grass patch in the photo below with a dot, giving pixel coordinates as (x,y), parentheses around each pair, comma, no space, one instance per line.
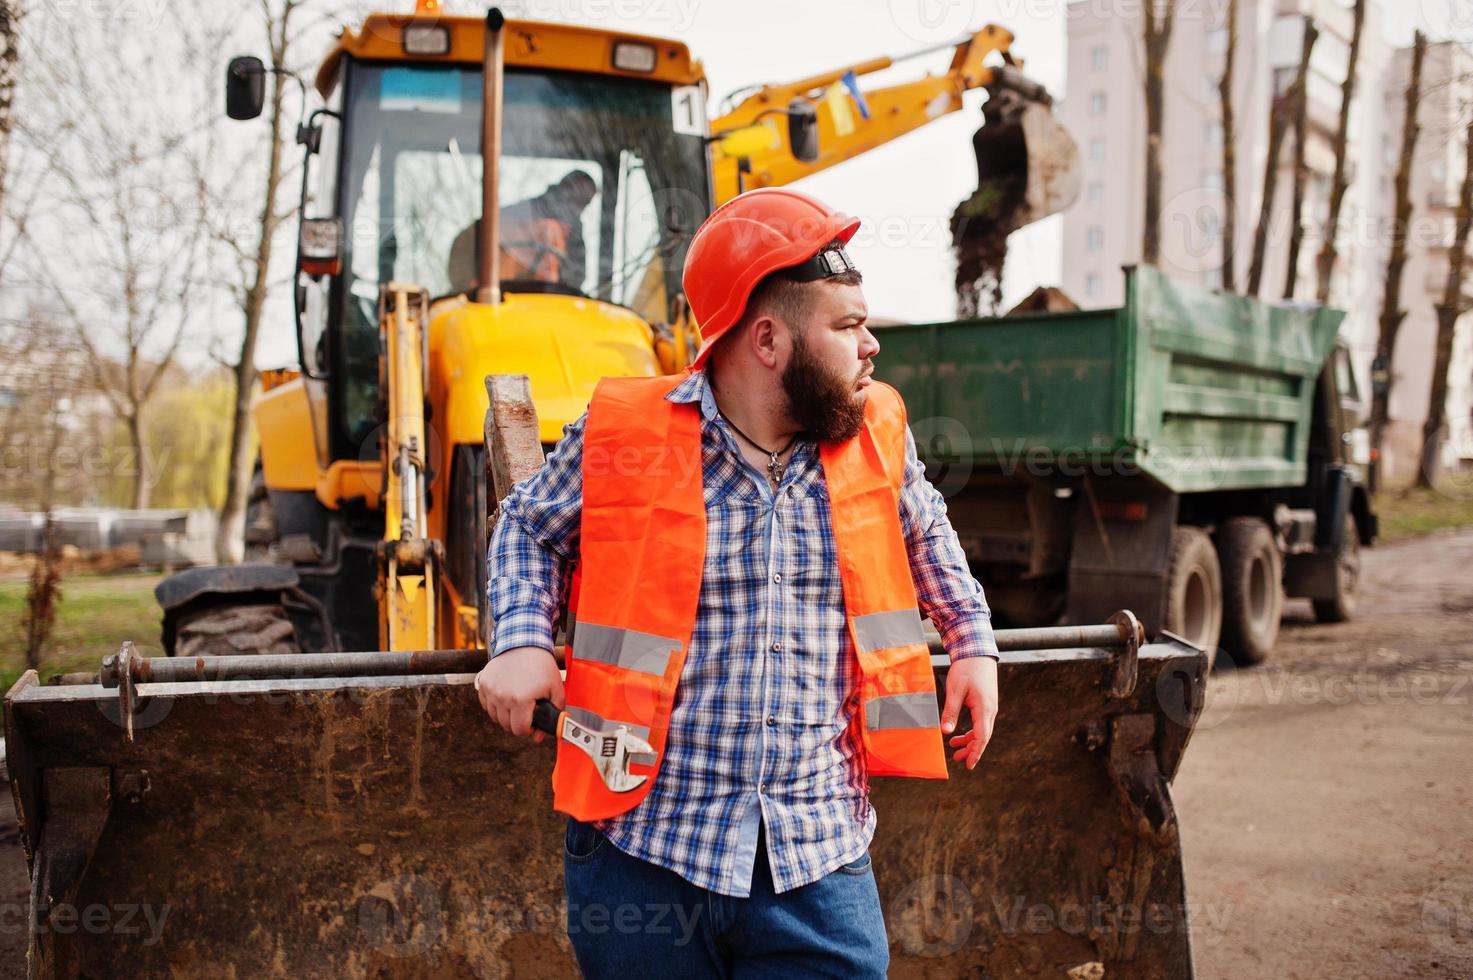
(94,615)
(1415,511)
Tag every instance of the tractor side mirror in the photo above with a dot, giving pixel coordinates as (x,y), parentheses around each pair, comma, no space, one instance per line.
(803,130)
(245,87)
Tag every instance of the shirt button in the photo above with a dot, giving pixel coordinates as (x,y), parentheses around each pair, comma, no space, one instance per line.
(771,721)
(777,576)
(778,646)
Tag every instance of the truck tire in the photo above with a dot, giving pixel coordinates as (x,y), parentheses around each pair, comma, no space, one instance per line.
(1194,589)
(1252,589)
(1341,606)
(236,630)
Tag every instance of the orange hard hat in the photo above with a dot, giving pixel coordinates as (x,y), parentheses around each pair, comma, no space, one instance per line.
(746,239)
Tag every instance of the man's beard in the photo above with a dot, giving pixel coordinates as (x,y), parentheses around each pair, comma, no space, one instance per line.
(821,401)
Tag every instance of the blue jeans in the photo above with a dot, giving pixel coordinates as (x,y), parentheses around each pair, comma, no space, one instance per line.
(631,918)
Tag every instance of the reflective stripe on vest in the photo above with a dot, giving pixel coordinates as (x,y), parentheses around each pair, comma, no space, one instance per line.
(642,543)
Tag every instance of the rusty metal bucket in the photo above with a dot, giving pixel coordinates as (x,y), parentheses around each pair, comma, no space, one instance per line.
(357,815)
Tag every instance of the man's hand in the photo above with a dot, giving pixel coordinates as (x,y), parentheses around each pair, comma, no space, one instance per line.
(973,682)
(510,684)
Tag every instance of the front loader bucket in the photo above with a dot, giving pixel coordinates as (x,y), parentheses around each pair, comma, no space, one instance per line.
(378,824)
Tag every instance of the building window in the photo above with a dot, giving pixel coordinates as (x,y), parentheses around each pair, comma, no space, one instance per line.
(1094,194)
(1097,151)
(1212,136)
(1217,40)
(1099,57)
(1094,238)
(1097,104)
(1092,285)
(1212,180)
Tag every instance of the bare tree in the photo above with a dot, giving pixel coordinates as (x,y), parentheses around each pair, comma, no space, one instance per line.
(1278,124)
(1301,169)
(254,261)
(10,16)
(1391,312)
(1229,154)
(131,217)
(1158,24)
(1325,261)
(1448,311)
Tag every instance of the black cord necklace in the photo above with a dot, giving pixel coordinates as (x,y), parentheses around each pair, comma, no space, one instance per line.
(774,465)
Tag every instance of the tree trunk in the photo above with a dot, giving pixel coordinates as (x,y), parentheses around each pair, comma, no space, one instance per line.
(1325,261)
(1157,37)
(10,15)
(1301,170)
(1391,312)
(142,484)
(1229,156)
(229,532)
(1277,123)
(1448,311)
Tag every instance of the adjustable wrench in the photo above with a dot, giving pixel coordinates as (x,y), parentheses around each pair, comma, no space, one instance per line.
(609,750)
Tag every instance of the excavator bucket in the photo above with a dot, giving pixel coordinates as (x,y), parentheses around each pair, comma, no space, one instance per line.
(1027,169)
(357,814)
(1027,163)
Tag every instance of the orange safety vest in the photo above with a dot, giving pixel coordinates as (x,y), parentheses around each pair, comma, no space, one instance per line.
(643,546)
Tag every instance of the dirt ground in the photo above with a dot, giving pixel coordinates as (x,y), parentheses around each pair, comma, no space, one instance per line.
(1326,800)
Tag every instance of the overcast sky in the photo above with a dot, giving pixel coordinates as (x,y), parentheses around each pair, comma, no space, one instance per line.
(905,191)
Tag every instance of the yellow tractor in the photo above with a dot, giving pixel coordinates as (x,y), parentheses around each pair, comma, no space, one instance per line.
(604,164)
(495,215)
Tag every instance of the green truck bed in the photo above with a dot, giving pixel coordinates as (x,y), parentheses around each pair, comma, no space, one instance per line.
(1196,389)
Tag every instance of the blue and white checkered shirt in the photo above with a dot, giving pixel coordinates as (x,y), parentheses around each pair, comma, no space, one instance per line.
(763,722)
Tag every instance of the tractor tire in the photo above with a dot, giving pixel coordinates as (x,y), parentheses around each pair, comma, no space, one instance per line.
(232,631)
(1252,589)
(1194,589)
(1340,607)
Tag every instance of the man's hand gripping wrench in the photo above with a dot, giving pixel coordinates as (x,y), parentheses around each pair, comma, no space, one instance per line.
(610,751)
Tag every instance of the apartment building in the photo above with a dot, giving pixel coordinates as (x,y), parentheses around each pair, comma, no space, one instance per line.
(1104,108)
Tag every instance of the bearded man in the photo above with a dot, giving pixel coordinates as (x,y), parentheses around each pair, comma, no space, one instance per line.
(747,549)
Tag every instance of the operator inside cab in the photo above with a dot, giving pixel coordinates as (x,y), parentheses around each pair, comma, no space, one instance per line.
(541,238)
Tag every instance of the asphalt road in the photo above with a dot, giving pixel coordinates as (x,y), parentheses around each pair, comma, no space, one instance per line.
(1326,798)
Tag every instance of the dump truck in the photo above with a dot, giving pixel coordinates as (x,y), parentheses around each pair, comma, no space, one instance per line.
(494,218)
(1191,455)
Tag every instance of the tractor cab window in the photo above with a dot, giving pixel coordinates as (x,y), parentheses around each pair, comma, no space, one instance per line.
(599,193)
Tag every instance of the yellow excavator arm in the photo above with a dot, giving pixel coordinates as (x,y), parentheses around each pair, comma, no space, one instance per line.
(742,162)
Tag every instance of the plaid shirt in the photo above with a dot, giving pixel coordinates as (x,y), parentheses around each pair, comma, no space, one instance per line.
(763,725)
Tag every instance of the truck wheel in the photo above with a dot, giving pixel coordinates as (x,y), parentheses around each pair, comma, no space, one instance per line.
(1252,589)
(232,631)
(1341,606)
(1194,589)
